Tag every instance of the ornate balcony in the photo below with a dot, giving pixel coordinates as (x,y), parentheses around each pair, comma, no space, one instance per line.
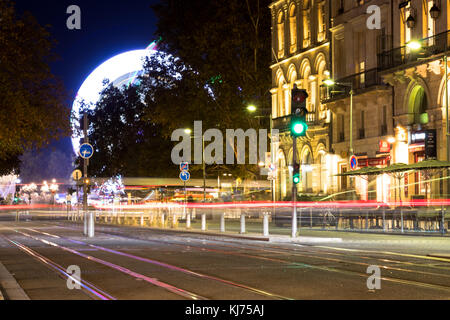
(360,81)
(283,123)
(399,57)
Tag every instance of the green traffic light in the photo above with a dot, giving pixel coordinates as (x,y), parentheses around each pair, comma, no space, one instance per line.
(299,128)
(296,179)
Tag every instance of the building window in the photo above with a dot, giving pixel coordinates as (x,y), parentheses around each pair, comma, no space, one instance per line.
(306,25)
(280,35)
(430,23)
(383,131)
(293,28)
(321,22)
(362,129)
(405,30)
(341,133)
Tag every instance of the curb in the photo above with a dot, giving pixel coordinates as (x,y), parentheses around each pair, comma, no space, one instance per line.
(194,232)
(10,287)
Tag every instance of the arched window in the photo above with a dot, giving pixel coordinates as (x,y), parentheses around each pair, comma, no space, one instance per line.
(417,106)
(321,22)
(280,35)
(306,24)
(307,171)
(293,28)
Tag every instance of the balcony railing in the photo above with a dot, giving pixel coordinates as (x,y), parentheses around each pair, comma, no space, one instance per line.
(360,81)
(431,46)
(283,123)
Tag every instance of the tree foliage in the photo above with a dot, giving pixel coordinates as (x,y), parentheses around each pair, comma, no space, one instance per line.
(32,100)
(123,141)
(217,64)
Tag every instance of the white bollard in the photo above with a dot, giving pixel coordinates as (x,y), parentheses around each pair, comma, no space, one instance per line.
(91,229)
(188,220)
(203,222)
(242,223)
(266,224)
(142,220)
(222,222)
(163,218)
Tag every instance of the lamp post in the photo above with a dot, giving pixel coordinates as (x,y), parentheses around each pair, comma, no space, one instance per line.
(189,132)
(253,109)
(330,83)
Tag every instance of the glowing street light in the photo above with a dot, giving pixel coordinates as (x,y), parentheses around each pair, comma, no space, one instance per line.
(414,45)
(252,108)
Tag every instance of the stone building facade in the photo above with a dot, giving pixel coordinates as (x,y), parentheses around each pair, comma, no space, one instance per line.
(300,42)
(392,78)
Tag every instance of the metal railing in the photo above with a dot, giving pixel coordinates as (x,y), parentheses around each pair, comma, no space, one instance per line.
(283,123)
(359,81)
(398,57)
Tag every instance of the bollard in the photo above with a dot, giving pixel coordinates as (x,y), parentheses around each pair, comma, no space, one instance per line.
(384,219)
(222,222)
(188,220)
(142,220)
(242,223)
(203,222)
(91,231)
(174,221)
(163,220)
(401,214)
(266,224)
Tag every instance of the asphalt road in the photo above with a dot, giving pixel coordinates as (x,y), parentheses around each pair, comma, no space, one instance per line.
(136,263)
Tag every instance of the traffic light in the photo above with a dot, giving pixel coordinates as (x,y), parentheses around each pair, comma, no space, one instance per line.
(296,173)
(299,112)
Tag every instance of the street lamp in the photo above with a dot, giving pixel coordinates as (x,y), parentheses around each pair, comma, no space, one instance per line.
(414,45)
(251,108)
(331,83)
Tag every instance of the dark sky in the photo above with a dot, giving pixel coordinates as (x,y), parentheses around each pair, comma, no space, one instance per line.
(107,29)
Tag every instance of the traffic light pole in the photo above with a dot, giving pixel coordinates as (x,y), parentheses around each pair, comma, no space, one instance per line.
(294,191)
(89,223)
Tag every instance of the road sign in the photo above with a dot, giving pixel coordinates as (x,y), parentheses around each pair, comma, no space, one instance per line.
(86,151)
(77,175)
(184,166)
(185,176)
(353,162)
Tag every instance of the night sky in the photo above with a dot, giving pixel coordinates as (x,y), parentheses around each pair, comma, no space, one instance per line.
(107,29)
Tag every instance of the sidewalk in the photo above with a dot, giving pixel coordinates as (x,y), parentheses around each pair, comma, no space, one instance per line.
(9,286)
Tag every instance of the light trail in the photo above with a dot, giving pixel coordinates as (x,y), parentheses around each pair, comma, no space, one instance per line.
(166,265)
(168,287)
(91,289)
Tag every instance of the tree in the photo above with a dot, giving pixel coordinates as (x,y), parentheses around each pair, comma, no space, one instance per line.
(217,64)
(124,143)
(32,100)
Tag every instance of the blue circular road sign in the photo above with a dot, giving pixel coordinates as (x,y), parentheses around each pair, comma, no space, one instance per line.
(185,176)
(86,151)
(353,162)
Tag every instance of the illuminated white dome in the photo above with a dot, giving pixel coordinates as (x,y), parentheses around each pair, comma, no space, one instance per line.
(120,70)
